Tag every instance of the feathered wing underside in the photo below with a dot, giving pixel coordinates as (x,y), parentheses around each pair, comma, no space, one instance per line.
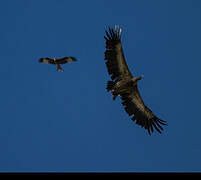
(57,60)
(47,60)
(114,56)
(65,60)
(135,107)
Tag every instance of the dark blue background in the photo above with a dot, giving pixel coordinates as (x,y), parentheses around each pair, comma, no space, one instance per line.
(52,121)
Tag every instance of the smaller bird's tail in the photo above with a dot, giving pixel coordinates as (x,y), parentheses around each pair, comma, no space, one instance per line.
(110,85)
(59,68)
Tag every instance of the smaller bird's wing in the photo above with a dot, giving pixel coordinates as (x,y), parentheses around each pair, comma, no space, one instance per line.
(114,55)
(134,105)
(65,60)
(47,60)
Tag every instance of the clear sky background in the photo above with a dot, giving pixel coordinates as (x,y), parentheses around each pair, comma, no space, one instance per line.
(67,122)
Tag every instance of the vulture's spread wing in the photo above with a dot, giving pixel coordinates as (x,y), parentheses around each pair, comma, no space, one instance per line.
(140,113)
(115,60)
(47,60)
(65,60)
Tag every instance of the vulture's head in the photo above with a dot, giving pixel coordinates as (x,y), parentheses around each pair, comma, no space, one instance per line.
(140,77)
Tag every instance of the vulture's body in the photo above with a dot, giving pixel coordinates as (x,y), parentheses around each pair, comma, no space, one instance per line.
(124,84)
(57,61)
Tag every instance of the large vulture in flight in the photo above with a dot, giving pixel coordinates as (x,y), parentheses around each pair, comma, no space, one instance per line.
(57,61)
(124,84)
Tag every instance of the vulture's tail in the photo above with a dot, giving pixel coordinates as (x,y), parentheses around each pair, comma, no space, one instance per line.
(110,85)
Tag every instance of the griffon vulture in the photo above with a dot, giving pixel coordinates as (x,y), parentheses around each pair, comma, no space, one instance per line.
(124,84)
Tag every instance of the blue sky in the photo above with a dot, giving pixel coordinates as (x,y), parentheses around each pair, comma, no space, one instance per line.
(68,122)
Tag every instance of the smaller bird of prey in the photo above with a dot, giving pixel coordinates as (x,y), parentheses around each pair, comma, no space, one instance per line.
(57,61)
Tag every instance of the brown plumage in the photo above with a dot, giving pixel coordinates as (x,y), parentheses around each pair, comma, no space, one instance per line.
(124,84)
(57,61)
